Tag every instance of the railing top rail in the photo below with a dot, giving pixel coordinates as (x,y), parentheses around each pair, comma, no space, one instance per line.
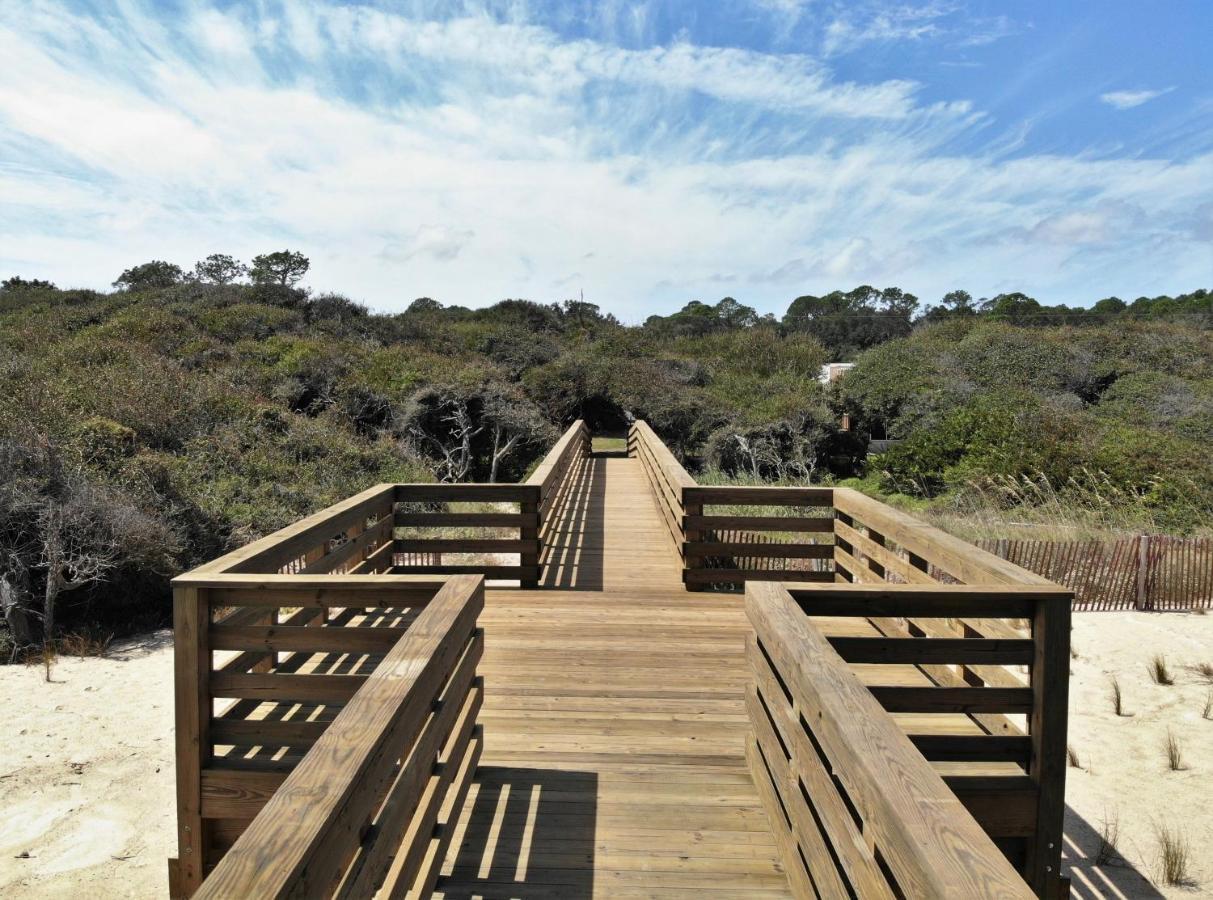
(928,839)
(677,475)
(272,856)
(549,470)
(957,557)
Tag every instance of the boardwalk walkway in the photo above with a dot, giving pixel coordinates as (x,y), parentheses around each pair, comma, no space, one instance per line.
(614,722)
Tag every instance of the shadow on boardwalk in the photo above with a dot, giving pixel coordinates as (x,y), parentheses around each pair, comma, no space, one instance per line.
(530,833)
(573,555)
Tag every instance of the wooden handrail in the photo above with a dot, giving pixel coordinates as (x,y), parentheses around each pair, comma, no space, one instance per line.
(958,558)
(666,477)
(823,743)
(551,469)
(271,552)
(308,839)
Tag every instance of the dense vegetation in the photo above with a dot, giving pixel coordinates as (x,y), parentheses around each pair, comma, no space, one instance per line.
(145,430)
(1114,419)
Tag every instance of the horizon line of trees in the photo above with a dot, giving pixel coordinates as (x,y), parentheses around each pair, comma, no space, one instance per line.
(845,322)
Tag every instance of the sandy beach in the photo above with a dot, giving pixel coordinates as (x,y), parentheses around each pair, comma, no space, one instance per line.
(86,766)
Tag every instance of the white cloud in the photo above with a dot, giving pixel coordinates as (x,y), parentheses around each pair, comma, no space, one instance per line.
(471,160)
(1130,99)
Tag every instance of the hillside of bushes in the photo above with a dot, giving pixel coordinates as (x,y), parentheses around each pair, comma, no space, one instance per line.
(1110,424)
(145,430)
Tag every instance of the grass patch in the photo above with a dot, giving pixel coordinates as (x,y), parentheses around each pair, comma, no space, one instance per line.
(1118,700)
(1175,752)
(1174,856)
(1159,673)
(1107,853)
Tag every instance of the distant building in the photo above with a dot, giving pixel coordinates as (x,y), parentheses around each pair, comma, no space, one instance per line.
(831,372)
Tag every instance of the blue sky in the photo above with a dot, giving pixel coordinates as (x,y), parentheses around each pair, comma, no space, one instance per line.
(644,153)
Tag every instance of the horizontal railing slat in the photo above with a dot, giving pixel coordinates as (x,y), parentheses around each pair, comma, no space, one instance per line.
(467,493)
(898,698)
(747,495)
(759,551)
(947,651)
(790,524)
(466,520)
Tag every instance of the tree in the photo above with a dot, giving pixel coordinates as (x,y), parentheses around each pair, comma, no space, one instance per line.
(149,276)
(958,303)
(17,283)
(515,422)
(283,268)
(440,423)
(470,431)
(219,268)
(60,532)
(424,305)
(848,322)
(1109,305)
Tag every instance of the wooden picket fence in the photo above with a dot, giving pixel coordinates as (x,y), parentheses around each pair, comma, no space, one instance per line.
(1147,572)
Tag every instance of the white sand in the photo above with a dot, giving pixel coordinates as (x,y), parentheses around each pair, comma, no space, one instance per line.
(86,764)
(86,775)
(1125,772)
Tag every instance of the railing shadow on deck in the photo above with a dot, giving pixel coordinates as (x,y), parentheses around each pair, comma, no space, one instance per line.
(575,532)
(527,832)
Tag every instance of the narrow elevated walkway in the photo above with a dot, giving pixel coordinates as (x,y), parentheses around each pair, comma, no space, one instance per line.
(614,721)
(601,731)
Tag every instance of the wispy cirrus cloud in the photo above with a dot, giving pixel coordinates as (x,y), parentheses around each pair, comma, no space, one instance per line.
(484,155)
(1130,99)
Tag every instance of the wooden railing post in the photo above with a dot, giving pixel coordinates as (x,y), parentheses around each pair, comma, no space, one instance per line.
(191,687)
(691,536)
(1047,729)
(529,560)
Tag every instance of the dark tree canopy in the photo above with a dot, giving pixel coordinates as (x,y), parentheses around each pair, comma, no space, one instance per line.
(17,283)
(149,276)
(284,268)
(851,321)
(219,268)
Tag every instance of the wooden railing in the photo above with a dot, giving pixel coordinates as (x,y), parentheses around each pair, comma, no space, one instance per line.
(428,508)
(326,695)
(323,729)
(720,548)
(558,475)
(666,477)
(985,617)
(856,808)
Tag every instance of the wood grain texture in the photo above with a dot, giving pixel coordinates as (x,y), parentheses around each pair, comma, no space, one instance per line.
(322,795)
(931,845)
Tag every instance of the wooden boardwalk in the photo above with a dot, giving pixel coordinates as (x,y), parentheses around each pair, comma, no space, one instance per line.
(593,728)
(614,722)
